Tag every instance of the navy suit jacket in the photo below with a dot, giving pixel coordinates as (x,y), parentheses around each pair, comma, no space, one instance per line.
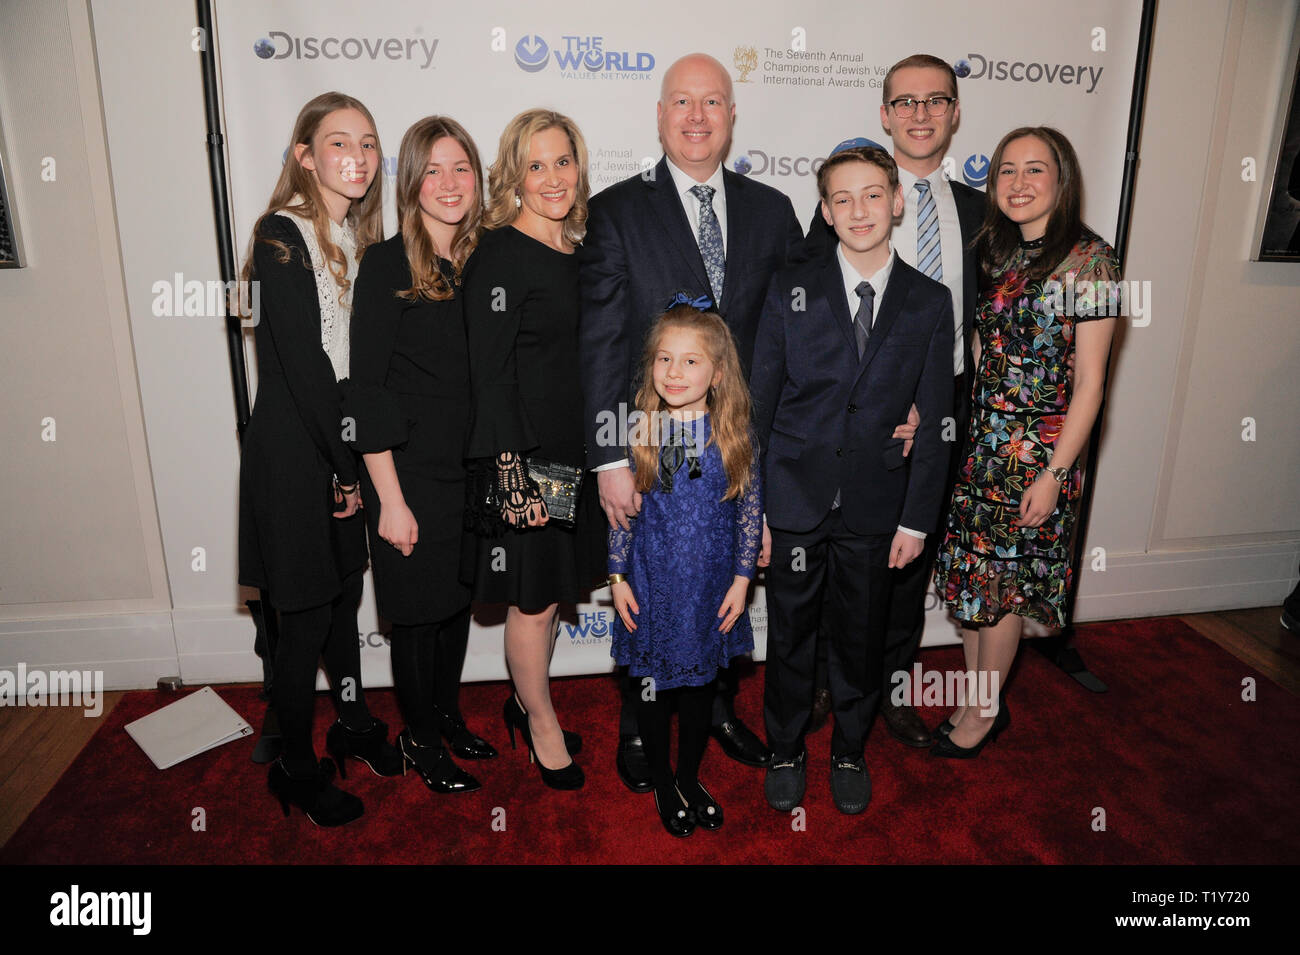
(821,241)
(639,250)
(825,418)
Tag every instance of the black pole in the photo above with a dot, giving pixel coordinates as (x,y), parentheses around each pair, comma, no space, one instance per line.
(1058,648)
(221,209)
(264,618)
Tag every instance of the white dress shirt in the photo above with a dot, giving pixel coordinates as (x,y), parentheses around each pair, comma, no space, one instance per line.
(877,282)
(950,244)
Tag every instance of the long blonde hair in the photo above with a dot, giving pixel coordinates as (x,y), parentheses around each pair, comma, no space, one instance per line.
(366,214)
(412,162)
(508,171)
(729,404)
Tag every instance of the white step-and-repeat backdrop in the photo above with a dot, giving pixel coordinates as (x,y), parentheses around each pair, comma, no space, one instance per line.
(804,81)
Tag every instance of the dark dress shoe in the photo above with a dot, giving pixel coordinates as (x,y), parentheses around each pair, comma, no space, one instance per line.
(821,710)
(704,808)
(850,784)
(675,815)
(905,725)
(463,742)
(633,767)
(739,742)
(947,748)
(369,746)
(435,766)
(785,782)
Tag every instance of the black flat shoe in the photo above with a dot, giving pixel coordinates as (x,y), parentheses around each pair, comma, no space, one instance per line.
(435,766)
(463,743)
(704,808)
(566,777)
(316,795)
(945,747)
(679,821)
(370,746)
(515,718)
(632,765)
(739,742)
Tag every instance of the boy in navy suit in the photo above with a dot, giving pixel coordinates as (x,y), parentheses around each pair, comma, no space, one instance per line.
(844,347)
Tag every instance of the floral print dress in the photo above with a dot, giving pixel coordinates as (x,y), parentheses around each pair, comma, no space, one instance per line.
(987,567)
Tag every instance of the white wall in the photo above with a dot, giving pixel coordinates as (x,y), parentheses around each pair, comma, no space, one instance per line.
(81,570)
(1190,516)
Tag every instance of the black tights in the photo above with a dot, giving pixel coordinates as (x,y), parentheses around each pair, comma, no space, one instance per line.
(328,631)
(427,661)
(654,719)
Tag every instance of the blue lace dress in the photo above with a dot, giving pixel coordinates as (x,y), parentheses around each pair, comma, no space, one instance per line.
(681,556)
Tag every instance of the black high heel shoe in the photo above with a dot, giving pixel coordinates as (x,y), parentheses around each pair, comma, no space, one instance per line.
(945,747)
(704,808)
(370,746)
(316,795)
(463,743)
(439,772)
(679,820)
(567,777)
(942,730)
(515,716)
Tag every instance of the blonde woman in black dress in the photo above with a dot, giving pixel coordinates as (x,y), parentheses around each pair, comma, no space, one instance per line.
(300,537)
(521,309)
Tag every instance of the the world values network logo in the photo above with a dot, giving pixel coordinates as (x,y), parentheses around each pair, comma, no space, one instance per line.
(975,170)
(582,57)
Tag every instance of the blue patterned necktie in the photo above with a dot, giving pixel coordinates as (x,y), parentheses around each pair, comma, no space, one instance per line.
(715,260)
(929,261)
(862,319)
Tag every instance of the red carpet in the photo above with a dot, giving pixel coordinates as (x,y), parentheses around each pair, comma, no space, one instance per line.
(1185,771)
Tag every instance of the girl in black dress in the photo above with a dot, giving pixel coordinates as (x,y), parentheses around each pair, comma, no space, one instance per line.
(521,308)
(300,538)
(408,398)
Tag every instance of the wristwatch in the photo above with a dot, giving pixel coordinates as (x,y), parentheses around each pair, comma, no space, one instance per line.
(1059,473)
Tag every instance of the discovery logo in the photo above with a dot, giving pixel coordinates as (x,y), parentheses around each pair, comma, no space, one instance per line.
(759,163)
(278,45)
(582,57)
(977,67)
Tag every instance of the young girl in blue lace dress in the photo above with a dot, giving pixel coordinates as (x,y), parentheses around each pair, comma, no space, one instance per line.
(680,576)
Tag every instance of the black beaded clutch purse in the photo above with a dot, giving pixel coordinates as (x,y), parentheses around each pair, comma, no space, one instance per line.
(558,485)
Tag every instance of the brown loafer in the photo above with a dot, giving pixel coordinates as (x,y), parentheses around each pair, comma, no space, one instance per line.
(905,725)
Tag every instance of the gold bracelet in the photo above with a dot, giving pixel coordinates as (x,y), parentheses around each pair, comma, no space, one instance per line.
(617,579)
(348,489)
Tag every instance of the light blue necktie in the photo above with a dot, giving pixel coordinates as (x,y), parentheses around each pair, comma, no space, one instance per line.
(929,261)
(715,260)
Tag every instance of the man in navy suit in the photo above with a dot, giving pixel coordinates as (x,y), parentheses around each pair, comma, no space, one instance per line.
(845,346)
(687,225)
(920,112)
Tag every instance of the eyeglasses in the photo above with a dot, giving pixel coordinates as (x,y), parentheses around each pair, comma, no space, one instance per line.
(934,106)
